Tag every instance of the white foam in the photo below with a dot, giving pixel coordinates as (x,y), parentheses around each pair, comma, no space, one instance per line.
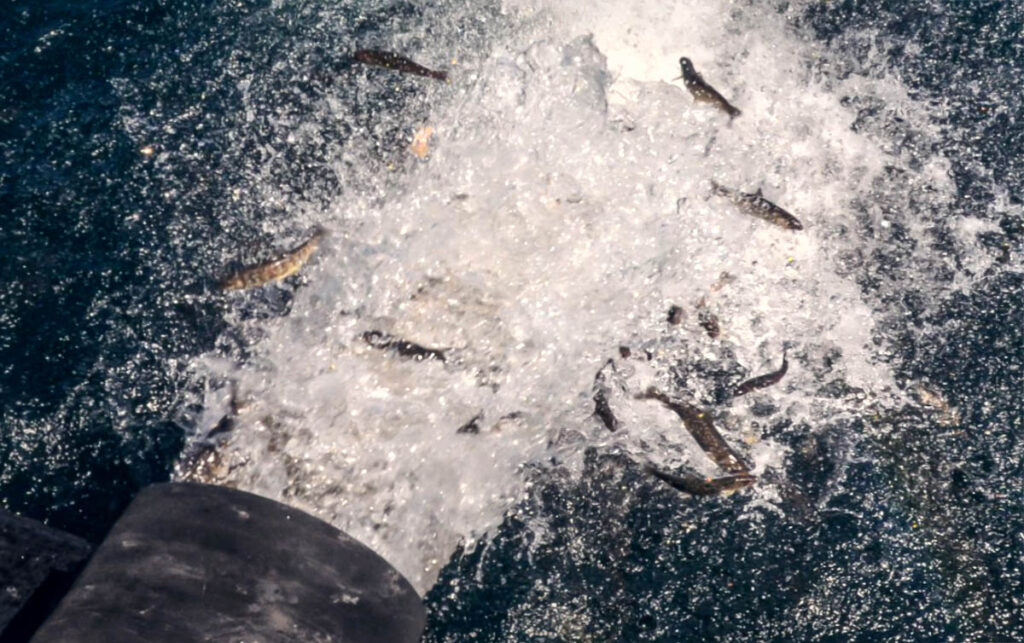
(564,208)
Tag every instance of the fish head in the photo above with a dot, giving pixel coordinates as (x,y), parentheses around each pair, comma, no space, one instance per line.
(686,66)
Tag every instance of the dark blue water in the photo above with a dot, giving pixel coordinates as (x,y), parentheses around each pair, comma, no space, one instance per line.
(110,254)
(893,527)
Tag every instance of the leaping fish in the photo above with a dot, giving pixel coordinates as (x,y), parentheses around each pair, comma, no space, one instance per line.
(383,341)
(698,423)
(602,409)
(757,206)
(390,60)
(276,269)
(697,486)
(762,381)
(702,91)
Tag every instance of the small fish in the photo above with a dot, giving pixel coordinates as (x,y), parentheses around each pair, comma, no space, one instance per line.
(276,269)
(762,381)
(723,280)
(675,315)
(757,206)
(948,415)
(697,486)
(698,423)
(390,60)
(703,92)
(473,426)
(377,339)
(709,322)
(602,409)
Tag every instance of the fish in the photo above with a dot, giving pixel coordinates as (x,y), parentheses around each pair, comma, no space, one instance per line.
(709,322)
(933,398)
(601,406)
(762,381)
(473,426)
(703,92)
(675,315)
(698,423)
(393,61)
(698,486)
(377,339)
(602,409)
(227,422)
(757,206)
(276,269)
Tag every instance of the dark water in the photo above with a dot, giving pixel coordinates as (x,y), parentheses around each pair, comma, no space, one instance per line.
(894,527)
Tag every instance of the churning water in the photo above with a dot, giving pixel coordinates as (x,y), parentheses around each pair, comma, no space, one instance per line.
(564,206)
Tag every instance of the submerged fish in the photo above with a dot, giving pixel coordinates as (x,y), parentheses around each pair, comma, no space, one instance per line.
(276,269)
(709,322)
(702,91)
(757,206)
(390,60)
(675,315)
(698,423)
(473,426)
(762,381)
(602,409)
(377,339)
(698,486)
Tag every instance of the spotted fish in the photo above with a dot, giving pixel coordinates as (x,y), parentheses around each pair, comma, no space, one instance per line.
(699,424)
(698,486)
(390,60)
(757,206)
(276,269)
(703,92)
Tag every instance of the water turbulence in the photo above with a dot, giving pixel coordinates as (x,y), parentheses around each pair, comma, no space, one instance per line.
(432,387)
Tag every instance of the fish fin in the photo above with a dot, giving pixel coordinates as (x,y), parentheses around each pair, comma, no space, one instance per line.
(758,193)
(716,190)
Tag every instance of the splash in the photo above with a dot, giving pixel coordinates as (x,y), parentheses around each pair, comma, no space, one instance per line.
(563,210)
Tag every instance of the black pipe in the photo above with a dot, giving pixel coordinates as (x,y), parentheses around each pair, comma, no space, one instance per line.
(189,562)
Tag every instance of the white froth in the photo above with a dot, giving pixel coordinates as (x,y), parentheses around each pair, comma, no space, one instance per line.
(564,208)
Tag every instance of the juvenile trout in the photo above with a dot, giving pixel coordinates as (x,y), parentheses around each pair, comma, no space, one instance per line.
(762,381)
(390,60)
(697,486)
(703,92)
(602,409)
(757,206)
(698,423)
(383,341)
(276,269)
